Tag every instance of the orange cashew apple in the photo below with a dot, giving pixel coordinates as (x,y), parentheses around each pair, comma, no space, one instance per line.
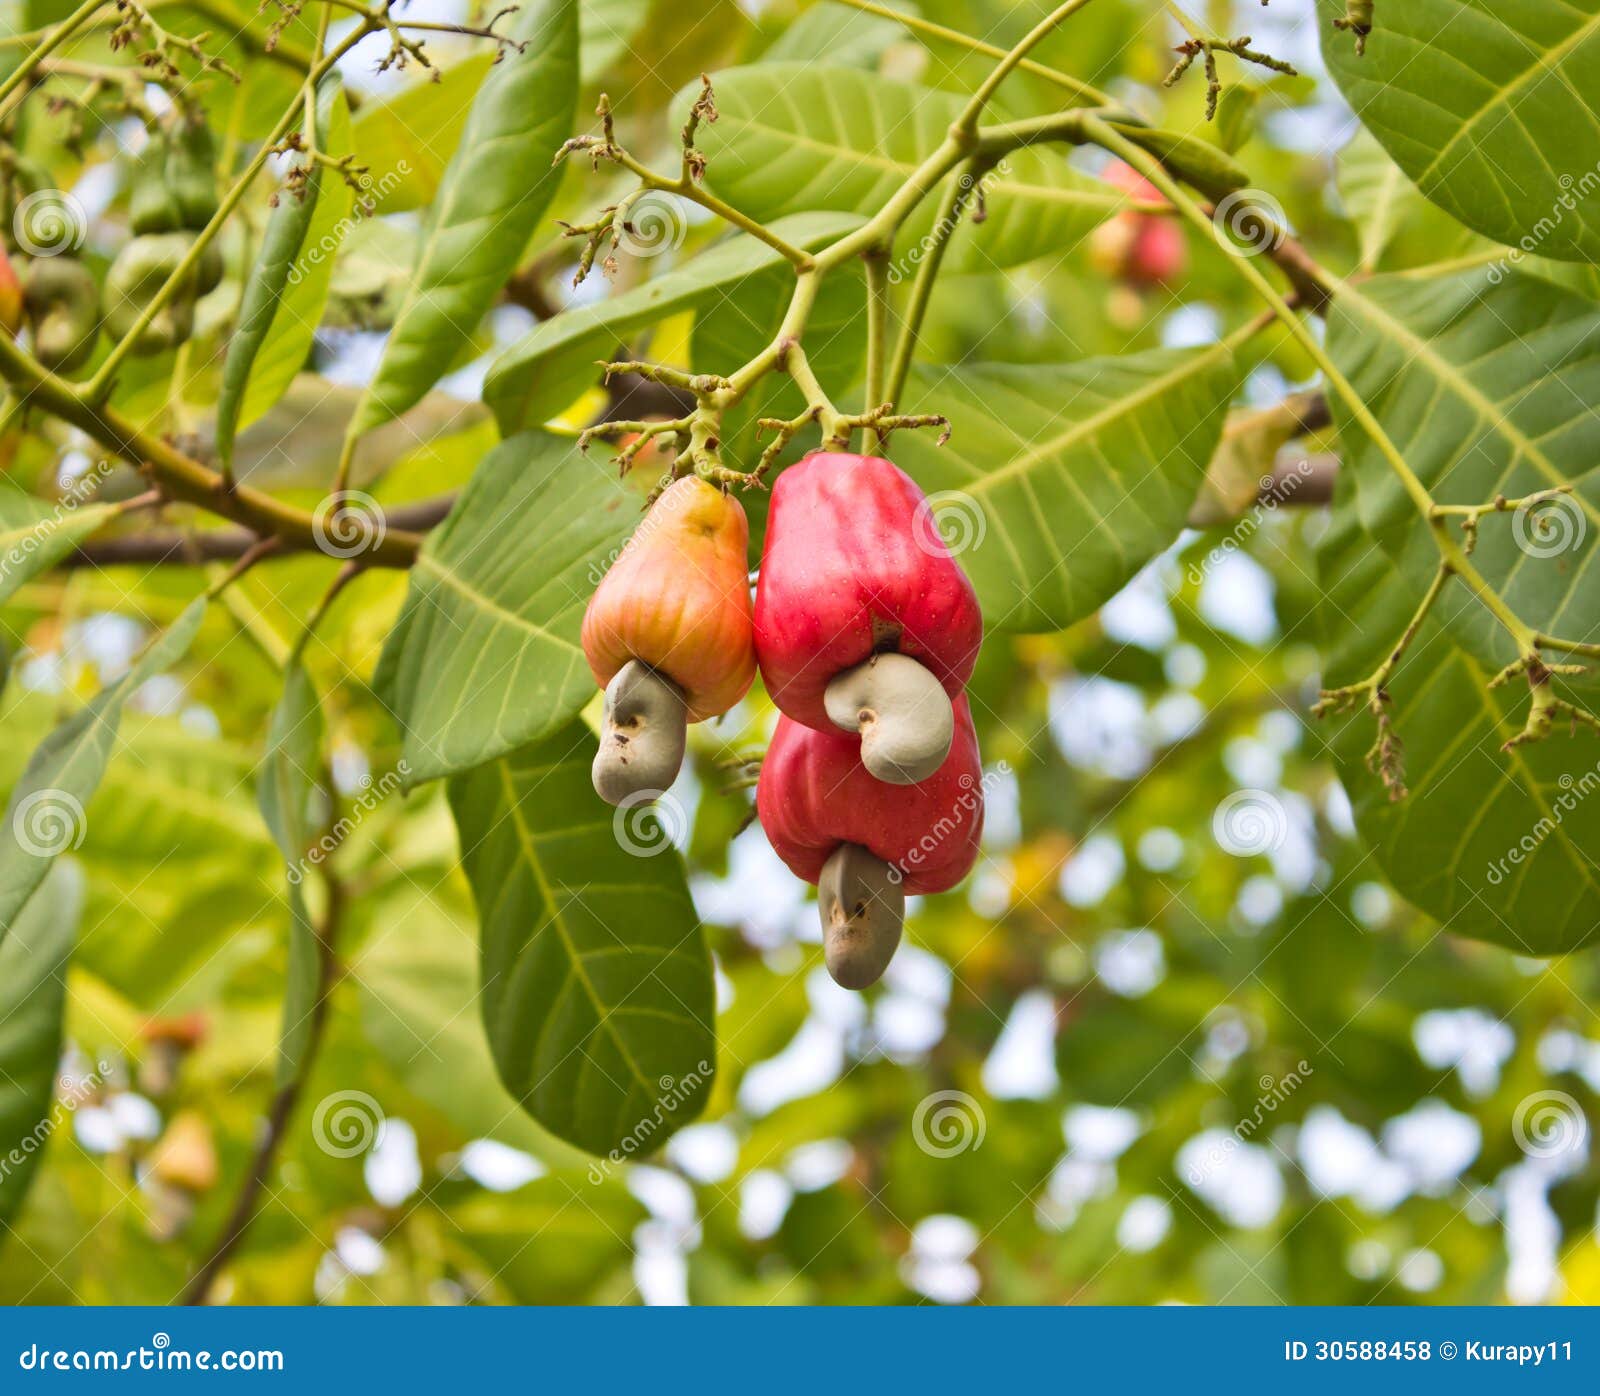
(668,635)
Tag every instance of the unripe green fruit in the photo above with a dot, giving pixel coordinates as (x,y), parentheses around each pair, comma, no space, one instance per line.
(139,272)
(191,173)
(152,202)
(62,304)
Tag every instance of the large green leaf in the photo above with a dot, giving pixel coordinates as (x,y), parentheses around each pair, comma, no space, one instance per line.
(34,535)
(555,361)
(485,656)
(795,137)
(1499,846)
(497,187)
(1488,105)
(290,793)
(597,987)
(33,992)
(407,141)
(46,813)
(1483,379)
(1059,482)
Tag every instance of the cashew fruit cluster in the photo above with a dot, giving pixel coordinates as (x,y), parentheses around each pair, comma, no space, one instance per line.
(865,630)
(55,296)
(173,196)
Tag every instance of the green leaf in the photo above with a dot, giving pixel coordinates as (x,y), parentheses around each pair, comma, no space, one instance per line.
(550,366)
(407,141)
(284,297)
(1488,106)
(597,986)
(1376,194)
(1059,482)
(46,812)
(1482,379)
(498,185)
(796,137)
(33,993)
(290,793)
(34,535)
(485,656)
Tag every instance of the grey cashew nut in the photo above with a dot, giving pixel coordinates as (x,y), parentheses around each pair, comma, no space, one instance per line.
(642,735)
(902,712)
(863,906)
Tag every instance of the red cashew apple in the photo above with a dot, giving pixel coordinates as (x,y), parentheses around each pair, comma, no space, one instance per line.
(10,297)
(1142,249)
(667,635)
(864,621)
(866,843)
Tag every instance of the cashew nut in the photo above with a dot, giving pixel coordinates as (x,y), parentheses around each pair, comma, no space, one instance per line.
(642,735)
(903,715)
(862,905)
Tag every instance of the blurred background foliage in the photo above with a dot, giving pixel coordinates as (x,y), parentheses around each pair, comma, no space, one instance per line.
(1122,1065)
